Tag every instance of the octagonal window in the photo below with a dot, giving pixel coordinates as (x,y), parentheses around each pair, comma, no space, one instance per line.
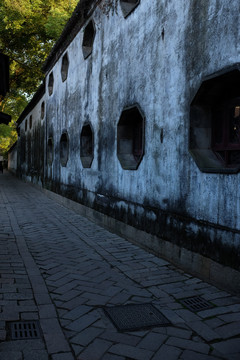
(86,146)
(128,6)
(64,149)
(215,123)
(50,84)
(88,39)
(50,151)
(42,109)
(64,68)
(130,138)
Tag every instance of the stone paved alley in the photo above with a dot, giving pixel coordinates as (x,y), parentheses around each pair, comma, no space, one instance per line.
(61,269)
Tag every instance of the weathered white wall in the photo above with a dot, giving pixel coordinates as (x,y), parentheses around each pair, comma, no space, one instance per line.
(12,160)
(156,57)
(33,142)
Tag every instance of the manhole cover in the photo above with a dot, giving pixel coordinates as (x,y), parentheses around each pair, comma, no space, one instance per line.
(135,317)
(196,303)
(24,330)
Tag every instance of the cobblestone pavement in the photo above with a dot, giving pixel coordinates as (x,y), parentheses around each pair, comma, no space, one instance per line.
(61,269)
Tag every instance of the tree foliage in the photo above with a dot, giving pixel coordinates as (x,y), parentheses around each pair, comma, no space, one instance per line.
(8,136)
(28,30)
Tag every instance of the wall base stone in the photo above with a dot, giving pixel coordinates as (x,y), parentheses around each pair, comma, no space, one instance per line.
(196,264)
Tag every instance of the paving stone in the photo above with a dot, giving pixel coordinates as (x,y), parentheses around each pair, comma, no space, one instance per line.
(65,288)
(172,316)
(167,352)
(214,322)
(219,311)
(29,316)
(22,345)
(228,330)
(77,349)
(35,355)
(69,295)
(82,266)
(77,312)
(152,341)
(95,299)
(85,337)
(179,332)
(203,330)
(83,322)
(131,352)
(63,356)
(117,337)
(11,355)
(113,357)
(230,317)
(96,350)
(190,355)
(187,315)
(228,347)
(53,336)
(188,344)
(47,311)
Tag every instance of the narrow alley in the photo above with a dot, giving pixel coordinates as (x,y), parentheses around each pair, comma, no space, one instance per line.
(62,274)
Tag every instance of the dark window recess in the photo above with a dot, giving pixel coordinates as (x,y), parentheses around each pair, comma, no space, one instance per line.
(26,125)
(215,123)
(64,68)
(50,84)
(88,39)
(86,146)
(50,151)
(42,110)
(64,149)
(128,6)
(30,122)
(226,132)
(22,147)
(130,138)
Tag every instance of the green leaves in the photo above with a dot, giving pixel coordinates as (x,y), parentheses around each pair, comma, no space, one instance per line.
(8,136)
(28,30)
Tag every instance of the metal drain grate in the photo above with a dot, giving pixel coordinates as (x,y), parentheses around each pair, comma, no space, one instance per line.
(20,330)
(135,317)
(196,303)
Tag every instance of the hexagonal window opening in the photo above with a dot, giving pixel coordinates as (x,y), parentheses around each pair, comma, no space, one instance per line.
(50,151)
(86,146)
(26,124)
(64,68)
(30,122)
(64,149)
(88,39)
(50,84)
(128,6)
(130,138)
(215,123)
(42,110)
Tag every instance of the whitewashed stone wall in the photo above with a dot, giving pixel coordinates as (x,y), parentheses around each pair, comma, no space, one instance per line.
(157,57)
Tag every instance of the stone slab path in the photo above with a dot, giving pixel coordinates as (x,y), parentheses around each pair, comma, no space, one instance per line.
(61,269)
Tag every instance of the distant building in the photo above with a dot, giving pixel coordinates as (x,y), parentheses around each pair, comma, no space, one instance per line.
(139,121)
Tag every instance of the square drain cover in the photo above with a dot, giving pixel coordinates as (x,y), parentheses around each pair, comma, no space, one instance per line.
(196,303)
(135,317)
(22,330)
